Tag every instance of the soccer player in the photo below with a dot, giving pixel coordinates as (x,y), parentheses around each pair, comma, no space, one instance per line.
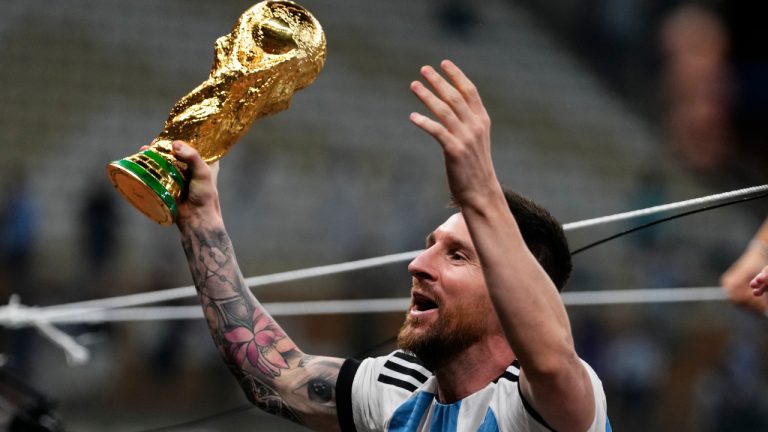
(486,344)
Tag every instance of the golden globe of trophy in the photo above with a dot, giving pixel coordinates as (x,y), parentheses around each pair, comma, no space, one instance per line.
(274,49)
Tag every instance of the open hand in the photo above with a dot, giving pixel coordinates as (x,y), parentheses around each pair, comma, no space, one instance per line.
(463,129)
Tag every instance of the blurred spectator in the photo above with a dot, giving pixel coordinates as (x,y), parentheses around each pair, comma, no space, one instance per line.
(98,216)
(634,370)
(18,228)
(749,63)
(99,225)
(698,87)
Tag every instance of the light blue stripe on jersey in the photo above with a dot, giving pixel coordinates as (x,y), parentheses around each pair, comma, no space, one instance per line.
(408,415)
(445,417)
(489,423)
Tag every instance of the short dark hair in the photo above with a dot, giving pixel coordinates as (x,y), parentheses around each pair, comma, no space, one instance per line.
(543,235)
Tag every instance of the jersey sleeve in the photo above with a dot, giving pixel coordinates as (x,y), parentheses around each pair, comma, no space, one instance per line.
(358,399)
(344,395)
(601,423)
(368,392)
(515,414)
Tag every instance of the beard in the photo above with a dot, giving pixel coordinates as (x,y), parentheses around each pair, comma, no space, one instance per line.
(455,330)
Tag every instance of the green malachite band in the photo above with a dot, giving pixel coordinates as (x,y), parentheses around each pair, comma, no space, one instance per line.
(152,182)
(167,166)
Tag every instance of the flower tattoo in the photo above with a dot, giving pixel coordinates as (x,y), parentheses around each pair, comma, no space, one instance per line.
(258,345)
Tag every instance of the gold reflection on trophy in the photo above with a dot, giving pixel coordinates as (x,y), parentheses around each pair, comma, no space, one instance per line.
(275,49)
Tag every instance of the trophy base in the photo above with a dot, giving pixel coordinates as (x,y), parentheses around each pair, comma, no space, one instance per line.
(150,182)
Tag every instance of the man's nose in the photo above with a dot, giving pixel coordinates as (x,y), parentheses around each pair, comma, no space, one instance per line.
(422,267)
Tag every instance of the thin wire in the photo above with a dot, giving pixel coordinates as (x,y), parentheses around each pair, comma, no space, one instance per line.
(665,219)
(168,313)
(189,291)
(665,207)
(251,282)
(382,305)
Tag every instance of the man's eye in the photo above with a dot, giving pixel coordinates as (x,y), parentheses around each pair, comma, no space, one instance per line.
(458,256)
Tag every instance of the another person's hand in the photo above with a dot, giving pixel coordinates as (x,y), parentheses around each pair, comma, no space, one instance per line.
(737,280)
(759,283)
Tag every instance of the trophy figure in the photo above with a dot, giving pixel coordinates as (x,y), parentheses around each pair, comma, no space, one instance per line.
(274,49)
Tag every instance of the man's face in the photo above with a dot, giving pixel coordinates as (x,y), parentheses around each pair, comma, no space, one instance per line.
(450,307)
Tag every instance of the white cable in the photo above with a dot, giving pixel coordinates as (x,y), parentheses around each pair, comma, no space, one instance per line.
(189,291)
(251,282)
(385,305)
(666,207)
(76,353)
(162,313)
(17,315)
(648,295)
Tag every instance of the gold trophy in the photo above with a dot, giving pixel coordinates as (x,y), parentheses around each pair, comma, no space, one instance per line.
(275,49)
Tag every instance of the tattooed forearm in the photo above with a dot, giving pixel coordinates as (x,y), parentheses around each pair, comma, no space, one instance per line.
(258,342)
(319,384)
(275,375)
(320,390)
(305,360)
(268,400)
(212,262)
(246,335)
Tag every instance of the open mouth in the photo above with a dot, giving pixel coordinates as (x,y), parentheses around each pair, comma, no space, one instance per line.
(422,303)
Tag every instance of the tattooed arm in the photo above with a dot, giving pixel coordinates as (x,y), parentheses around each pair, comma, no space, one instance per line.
(275,375)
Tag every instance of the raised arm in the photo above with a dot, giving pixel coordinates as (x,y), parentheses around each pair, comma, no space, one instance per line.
(533,317)
(275,375)
(736,280)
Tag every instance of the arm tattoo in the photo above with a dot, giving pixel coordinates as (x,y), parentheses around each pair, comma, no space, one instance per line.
(320,384)
(252,344)
(267,399)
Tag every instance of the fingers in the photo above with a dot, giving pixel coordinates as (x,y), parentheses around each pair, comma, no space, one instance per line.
(201,202)
(214,168)
(758,284)
(187,154)
(459,115)
(446,103)
(464,86)
(431,127)
(451,101)
(448,121)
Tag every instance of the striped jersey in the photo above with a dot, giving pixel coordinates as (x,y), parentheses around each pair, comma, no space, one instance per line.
(397,393)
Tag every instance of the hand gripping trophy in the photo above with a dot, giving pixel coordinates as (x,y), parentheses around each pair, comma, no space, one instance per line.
(275,49)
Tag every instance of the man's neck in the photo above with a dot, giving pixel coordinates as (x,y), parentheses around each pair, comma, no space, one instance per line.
(473,369)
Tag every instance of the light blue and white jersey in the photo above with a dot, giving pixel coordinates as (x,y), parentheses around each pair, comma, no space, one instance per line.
(397,393)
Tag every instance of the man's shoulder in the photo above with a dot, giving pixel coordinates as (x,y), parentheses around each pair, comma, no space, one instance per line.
(398,369)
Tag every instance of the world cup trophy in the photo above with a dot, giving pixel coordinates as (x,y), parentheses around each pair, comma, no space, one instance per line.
(274,49)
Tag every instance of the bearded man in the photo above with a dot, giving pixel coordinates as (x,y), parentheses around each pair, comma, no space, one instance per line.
(486,344)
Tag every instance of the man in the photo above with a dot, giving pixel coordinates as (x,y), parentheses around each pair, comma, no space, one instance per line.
(485,318)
